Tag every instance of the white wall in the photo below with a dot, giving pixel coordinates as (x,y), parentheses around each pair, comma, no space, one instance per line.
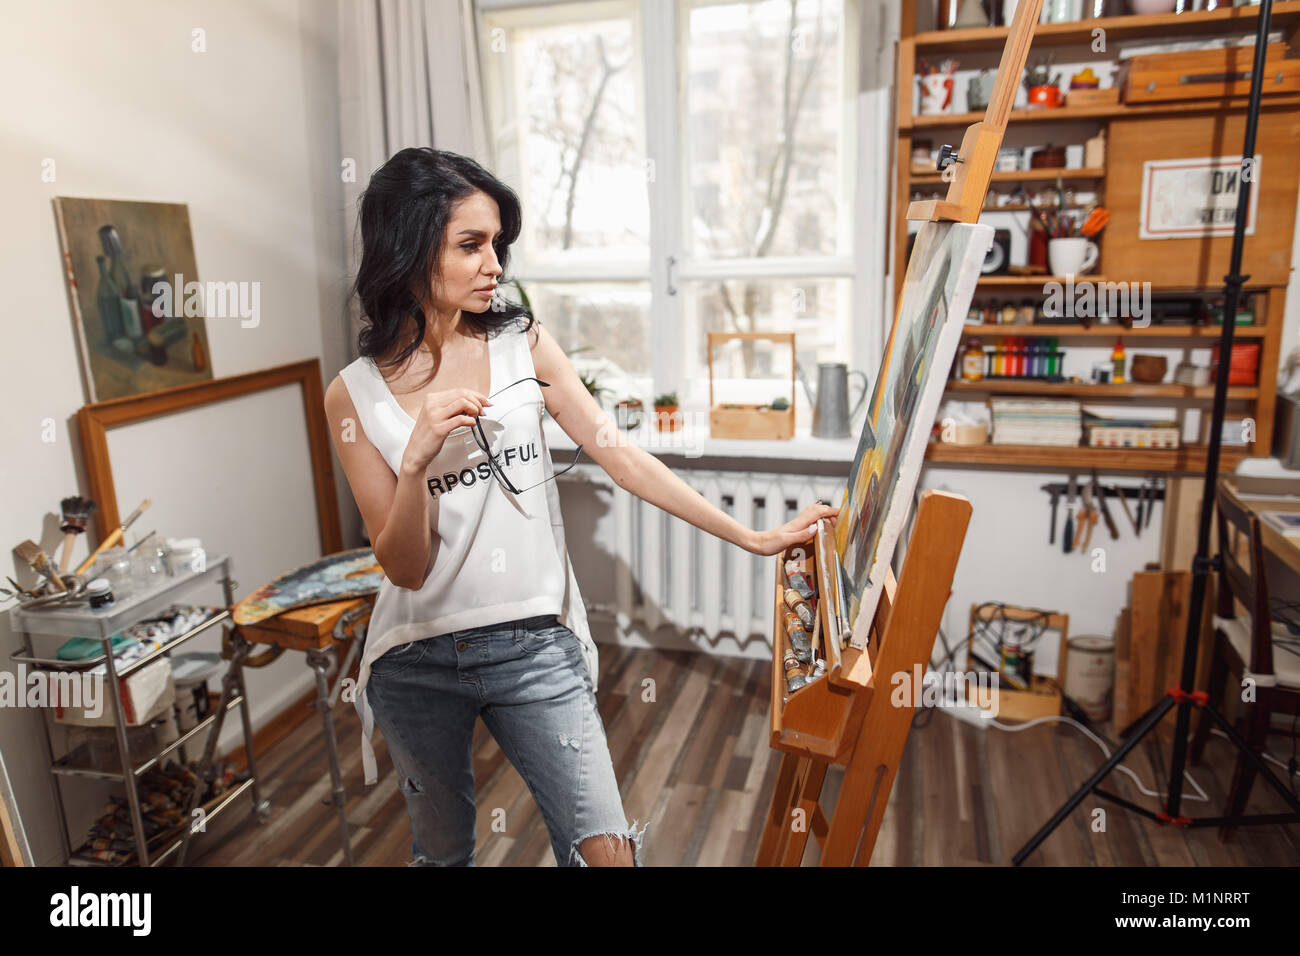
(246,134)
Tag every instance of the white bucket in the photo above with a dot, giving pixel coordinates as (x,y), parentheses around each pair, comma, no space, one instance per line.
(1090,674)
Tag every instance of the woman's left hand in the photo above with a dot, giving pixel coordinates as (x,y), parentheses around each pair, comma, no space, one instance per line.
(799,530)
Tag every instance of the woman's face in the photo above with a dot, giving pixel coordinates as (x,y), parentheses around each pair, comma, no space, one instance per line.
(468,268)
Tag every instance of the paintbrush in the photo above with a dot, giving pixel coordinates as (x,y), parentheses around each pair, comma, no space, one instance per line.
(143,540)
(40,562)
(114,537)
(76,511)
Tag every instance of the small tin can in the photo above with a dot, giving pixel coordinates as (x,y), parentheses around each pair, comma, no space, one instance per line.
(1011,654)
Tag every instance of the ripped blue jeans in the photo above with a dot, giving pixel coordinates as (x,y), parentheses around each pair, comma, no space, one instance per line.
(528,682)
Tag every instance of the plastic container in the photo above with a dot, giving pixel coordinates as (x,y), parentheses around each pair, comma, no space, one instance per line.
(185,556)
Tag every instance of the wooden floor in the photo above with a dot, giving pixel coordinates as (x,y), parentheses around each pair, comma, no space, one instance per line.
(692,758)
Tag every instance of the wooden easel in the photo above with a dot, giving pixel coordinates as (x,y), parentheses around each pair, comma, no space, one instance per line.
(849,716)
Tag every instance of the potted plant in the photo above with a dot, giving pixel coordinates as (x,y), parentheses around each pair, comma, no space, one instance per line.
(628,413)
(779,404)
(667,417)
(593,387)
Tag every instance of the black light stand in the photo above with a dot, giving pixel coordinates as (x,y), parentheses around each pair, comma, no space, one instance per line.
(1202,564)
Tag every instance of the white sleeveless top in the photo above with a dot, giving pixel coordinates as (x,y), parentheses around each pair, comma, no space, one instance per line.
(495,556)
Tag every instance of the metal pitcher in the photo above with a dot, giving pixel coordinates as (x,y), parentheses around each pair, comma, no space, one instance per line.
(831,414)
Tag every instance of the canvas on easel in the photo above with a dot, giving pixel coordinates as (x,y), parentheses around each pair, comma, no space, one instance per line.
(940,282)
(842,713)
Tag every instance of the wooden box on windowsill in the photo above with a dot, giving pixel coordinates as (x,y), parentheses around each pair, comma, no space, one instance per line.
(741,420)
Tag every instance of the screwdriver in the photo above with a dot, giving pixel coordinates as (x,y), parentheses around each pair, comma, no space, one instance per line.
(1068,539)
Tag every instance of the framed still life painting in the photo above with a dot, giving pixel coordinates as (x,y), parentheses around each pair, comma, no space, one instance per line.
(937,289)
(126,264)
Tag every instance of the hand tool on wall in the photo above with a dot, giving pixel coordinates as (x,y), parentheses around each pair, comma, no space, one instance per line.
(1123,500)
(1051,528)
(1105,509)
(1087,519)
(1067,540)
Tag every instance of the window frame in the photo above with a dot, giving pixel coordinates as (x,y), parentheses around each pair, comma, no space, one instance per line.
(662,31)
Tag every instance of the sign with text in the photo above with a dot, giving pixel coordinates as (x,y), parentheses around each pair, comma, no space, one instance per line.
(1193,198)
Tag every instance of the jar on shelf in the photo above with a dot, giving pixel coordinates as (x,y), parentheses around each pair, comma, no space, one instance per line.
(972,361)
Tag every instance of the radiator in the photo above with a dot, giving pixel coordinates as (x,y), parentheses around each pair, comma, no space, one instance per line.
(669,572)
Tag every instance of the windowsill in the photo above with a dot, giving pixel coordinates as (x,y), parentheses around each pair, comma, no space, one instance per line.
(693,441)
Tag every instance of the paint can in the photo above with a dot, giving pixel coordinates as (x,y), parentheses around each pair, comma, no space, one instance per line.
(1090,674)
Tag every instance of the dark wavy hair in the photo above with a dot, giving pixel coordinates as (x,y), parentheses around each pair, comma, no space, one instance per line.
(403,217)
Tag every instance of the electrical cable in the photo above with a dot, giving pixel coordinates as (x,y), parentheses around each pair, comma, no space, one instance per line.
(1201,794)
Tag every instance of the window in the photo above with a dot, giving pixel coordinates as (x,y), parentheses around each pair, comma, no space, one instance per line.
(685,166)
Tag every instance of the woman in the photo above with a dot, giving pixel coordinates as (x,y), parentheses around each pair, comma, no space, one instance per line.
(479,614)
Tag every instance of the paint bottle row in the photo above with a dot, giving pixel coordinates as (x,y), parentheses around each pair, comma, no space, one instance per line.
(1012,357)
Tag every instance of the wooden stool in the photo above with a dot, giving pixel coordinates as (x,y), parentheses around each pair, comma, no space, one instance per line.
(317,630)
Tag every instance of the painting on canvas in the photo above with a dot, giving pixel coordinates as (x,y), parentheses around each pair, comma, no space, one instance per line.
(131,279)
(940,281)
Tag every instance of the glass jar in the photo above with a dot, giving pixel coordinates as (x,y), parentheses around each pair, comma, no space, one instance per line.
(147,566)
(114,566)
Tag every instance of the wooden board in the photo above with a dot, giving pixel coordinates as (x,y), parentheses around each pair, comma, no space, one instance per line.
(1200,261)
(1153,650)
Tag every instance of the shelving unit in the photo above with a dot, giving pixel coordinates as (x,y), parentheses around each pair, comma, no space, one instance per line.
(1199,276)
(102,625)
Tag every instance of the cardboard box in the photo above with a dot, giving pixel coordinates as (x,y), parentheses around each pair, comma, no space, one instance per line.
(146,694)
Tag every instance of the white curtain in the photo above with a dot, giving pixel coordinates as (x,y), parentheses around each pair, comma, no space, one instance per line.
(408,76)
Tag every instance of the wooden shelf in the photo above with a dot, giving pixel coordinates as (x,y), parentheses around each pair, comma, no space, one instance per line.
(1066,114)
(1025,281)
(1025,175)
(1112,330)
(1025,207)
(1286,13)
(1189,458)
(1123,125)
(1040,389)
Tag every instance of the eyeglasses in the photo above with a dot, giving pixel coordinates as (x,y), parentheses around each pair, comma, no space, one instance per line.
(481,440)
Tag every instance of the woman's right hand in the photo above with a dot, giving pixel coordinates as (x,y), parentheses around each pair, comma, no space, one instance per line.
(441,412)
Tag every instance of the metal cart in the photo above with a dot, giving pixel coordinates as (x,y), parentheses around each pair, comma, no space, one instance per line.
(102,624)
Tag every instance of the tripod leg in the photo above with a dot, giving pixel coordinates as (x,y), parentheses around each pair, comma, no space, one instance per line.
(1141,728)
(1218,681)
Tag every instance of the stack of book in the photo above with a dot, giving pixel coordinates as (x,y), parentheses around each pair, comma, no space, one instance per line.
(1036,421)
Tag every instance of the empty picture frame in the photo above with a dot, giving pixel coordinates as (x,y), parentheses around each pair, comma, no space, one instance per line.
(941,276)
(254,445)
